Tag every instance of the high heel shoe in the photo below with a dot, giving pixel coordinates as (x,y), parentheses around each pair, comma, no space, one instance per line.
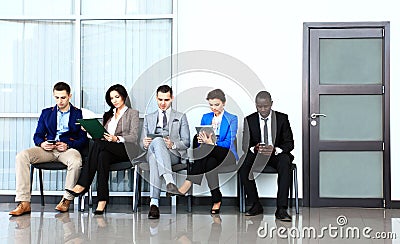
(100,212)
(75,194)
(215,210)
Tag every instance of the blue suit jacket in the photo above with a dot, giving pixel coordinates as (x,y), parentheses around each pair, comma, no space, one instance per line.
(47,128)
(227,131)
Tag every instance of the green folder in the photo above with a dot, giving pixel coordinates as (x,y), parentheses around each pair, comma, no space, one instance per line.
(93,127)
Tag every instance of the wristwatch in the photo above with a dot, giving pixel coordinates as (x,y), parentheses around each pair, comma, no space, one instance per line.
(173,146)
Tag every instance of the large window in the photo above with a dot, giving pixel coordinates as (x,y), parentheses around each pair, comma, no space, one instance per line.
(91,44)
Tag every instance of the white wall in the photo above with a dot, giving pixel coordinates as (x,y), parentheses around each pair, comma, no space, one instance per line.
(268,37)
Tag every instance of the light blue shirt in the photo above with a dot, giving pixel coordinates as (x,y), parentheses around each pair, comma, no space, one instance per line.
(62,123)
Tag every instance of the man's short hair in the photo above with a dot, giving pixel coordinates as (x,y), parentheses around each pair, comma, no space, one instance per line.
(164,89)
(216,94)
(62,86)
(264,95)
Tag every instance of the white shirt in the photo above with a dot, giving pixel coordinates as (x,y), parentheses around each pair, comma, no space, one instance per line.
(112,126)
(161,117)
(262,123)
(216,122)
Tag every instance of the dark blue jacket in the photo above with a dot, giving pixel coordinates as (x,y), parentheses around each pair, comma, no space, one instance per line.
(47,128)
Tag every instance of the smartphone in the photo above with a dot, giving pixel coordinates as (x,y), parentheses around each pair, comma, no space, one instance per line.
(51,141)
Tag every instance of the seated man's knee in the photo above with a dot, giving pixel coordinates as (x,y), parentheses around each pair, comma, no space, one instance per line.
(157,141)
(284,162)
(22,156)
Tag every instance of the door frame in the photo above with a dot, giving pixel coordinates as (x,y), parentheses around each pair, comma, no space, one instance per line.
(307,26)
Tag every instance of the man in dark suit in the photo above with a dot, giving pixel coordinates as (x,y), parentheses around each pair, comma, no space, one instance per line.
(57,138)
(267,139)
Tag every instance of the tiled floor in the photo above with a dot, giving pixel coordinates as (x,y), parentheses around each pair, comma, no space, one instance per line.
(120,225)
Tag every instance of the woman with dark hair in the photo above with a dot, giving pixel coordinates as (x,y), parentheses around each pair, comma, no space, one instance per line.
(213,147)
(118,145)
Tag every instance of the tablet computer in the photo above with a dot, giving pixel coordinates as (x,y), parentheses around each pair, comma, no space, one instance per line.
(93,127)
(206,128)
(152,136)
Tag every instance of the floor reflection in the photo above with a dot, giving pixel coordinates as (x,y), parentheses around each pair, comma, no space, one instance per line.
(122,226)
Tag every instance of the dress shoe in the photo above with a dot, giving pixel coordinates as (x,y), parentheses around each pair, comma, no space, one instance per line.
(154,212)
(173,190)
(100,211)
(256,209)
(75,194)
(63,206)
(21,209)
(282,215)
(215,210)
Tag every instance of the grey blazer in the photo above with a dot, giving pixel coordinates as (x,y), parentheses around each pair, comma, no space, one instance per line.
(128,126)
(178,127)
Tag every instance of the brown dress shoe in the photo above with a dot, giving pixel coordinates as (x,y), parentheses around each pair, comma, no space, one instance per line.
(63,206)
(21,209)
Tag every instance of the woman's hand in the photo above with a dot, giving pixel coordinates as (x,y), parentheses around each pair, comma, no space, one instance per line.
(110,138)
(204,138)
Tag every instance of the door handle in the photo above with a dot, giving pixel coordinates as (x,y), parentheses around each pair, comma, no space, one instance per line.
(314,115)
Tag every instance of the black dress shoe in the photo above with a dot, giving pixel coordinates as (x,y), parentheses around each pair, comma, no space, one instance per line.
(154,212)
(75,194)
(100,212)
(173,190)
(256,209)
(282,215)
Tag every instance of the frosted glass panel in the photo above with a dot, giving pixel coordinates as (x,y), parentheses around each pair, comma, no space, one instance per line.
(36,7)
(34,56)
(118,7)
(351,174)
(351,61)
(120,51)
(351,117)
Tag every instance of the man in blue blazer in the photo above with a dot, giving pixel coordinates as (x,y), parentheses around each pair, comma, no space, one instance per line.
(58,139)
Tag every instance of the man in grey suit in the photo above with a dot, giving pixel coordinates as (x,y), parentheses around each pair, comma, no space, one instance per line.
(166,138)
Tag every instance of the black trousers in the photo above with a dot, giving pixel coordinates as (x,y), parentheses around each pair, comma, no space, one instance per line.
(207,158)
(281,163)
(101,155)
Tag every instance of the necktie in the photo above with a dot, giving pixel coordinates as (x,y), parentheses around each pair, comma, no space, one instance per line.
(265,130)
(164,121)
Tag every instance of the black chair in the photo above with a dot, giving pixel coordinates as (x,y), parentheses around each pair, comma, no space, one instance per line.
(142,165)
(52,166)
(270,170)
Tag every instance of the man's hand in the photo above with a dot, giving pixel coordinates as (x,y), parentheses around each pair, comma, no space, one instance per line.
(264,149)
(146,142)
(61,146)
(47,146)
(168,142)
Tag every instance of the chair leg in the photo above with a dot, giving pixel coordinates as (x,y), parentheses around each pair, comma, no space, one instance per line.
(81,203)
(90,192)
(31,177)
(136,189)
(190,200)
(41,187)
(242,196)
(291,186)
(296,189)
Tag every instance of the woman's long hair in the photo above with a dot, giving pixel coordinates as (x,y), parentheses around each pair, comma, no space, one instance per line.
(122,92)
